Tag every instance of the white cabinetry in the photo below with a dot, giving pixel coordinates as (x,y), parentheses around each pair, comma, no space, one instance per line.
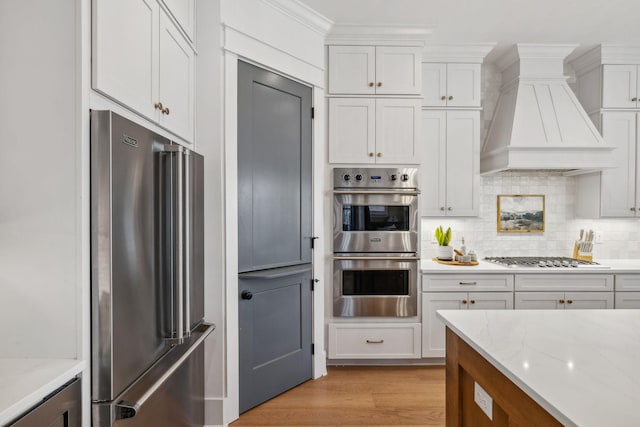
(373,130)
(620,86)
(450,162)
(564,291)
(374,341)
(141,60)
(459,292)
(627,291)
(184,13)
(374,70)
(451,85)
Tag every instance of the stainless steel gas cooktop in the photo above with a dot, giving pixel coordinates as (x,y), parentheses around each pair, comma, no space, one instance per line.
(543,262)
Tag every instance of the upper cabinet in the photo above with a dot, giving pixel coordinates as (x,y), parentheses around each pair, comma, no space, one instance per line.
(142,60)
(620,86)
(451,84)
(374,70)
(184,13)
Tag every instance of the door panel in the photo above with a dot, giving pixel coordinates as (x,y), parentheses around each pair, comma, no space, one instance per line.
(275,335)
(274,170)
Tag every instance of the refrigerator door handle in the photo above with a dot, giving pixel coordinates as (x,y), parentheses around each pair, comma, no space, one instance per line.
(186,322)
(128,408)
(179,259)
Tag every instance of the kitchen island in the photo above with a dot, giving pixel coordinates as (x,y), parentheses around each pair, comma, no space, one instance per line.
(539,367)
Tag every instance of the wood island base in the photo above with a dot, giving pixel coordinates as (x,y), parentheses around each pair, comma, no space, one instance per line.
(511,406)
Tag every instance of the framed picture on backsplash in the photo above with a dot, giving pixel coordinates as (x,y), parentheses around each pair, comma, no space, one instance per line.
(520,213)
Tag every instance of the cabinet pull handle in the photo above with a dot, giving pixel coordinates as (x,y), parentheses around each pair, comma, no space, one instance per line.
(158,106)
(467,283)
(166,111)
(371,84)
(379,154)
(442,98)
(375,341)
(473,301)
(561,301)
(569,301)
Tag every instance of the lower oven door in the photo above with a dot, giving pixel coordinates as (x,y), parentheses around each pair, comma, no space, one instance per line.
(375,286)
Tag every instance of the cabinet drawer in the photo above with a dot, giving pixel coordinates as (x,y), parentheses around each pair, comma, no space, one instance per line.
(628,300)
(467,283)
(374,341)
(564,282)
(627,282)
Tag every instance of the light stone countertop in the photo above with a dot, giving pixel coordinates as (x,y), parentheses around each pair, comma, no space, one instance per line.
(580,365)
(25,382)
(615,266)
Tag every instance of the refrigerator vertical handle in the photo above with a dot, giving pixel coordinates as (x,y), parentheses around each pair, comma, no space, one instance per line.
(179,256)
(186,327)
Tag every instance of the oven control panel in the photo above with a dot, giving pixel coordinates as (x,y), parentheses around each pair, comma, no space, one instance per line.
(375,178)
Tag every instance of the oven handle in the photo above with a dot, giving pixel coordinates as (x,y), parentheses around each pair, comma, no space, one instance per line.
(411,192)
(371,258)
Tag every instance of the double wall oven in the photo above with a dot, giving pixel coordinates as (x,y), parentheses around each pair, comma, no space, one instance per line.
(375,242)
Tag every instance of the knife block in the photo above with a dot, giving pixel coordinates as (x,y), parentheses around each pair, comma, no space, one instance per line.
(584,256)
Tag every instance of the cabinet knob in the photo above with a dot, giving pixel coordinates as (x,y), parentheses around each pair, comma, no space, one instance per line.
(441,208)
(379,84)
(371,84)
(634,99)
(379,154)
(449,208)
(371,154)
(166,111)
(246,295)
(442,98)
(158,106)
(632,209)
(464,301)
(569,301)
(450,97)
(561,301)
(472,301)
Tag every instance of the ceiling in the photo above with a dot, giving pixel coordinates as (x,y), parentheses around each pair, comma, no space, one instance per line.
(506,22)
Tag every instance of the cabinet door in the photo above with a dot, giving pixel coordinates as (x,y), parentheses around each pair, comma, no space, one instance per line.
(352,70)
(374,341)
(398,70)
(618,185)
(619,86)
(627,300)
(184,12)
(433,330)
(434,84)
(397,130)
(433,155)
(62,409)
(627,282)
(490,300)
(463,163)
(588,300)
(463,85)
(352,130)
(176,80)
(125,52)
(539,300)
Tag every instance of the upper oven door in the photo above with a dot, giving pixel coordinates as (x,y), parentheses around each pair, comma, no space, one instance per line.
(375,221)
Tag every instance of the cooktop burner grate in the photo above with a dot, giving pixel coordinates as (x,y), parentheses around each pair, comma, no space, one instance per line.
(541,261)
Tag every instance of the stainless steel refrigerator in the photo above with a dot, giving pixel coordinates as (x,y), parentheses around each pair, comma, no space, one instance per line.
(147,277)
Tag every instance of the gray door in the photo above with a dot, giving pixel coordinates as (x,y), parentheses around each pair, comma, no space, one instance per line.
(274,170)
(274,234)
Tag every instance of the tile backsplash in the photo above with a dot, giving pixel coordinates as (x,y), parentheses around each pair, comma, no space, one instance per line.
(620,236)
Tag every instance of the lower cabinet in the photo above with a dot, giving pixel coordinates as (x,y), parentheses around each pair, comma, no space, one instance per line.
(627,290)
(374,341)
(563,300)
(62,409)
(627,300)
(433,330)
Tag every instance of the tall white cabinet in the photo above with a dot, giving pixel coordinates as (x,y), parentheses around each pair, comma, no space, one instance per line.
(374,88)
(607,86)
(450,143)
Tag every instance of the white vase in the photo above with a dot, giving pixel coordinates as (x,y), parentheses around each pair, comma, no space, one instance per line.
(445,253)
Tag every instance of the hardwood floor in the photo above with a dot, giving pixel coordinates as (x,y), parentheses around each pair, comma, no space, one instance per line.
(359,396)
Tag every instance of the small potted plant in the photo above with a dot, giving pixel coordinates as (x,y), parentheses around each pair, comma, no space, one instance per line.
(445,252)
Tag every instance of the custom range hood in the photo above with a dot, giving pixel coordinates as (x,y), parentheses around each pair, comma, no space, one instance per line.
(539,123)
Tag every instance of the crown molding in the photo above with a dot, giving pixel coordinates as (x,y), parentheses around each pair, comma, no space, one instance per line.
(534,51)
(457,52)
(606,54)
(377,34)
(303,14)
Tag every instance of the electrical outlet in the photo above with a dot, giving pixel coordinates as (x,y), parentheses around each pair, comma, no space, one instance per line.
(483,400)
(597,238)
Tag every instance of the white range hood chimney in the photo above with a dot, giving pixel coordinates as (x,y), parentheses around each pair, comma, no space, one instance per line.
(539,123)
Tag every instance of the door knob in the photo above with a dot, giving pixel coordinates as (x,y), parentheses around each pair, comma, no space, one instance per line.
(246,295)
